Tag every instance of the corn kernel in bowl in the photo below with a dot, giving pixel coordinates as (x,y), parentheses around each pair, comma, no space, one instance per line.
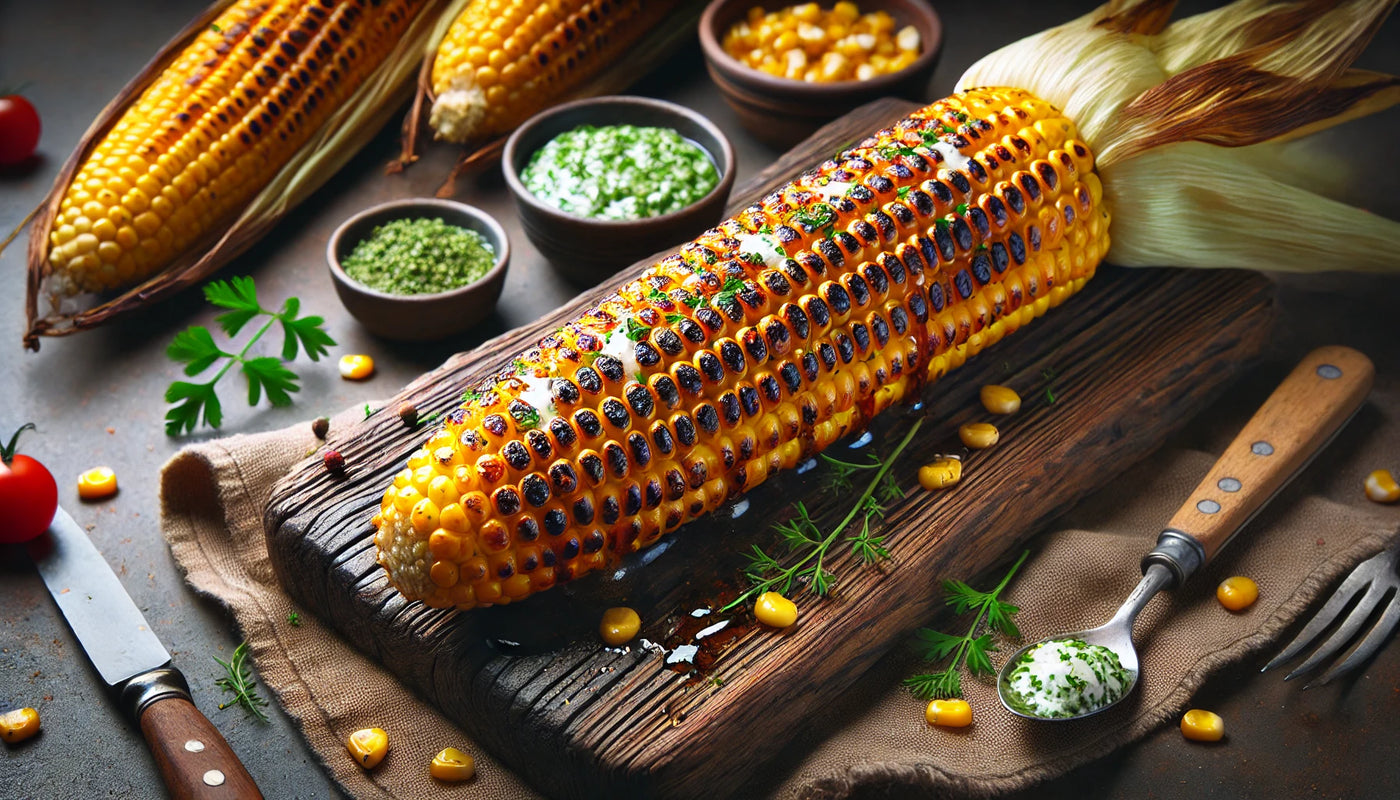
(808,43)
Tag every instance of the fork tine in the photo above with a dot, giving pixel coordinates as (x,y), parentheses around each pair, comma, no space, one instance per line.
(1375,638)
(1355,582)
(1345,632)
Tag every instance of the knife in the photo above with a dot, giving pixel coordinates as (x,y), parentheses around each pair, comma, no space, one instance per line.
(193,758)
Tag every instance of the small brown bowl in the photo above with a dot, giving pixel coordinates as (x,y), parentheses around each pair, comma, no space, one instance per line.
(588,250)
(782,111)
(418,317)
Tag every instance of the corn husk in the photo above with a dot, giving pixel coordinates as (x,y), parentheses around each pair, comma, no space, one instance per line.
(678,28)
(352,125)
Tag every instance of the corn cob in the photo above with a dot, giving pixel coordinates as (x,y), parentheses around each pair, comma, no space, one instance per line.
(206,136)
(504,60)
(757,345)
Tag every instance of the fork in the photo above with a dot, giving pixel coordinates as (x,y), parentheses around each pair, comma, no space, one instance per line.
(1376,576)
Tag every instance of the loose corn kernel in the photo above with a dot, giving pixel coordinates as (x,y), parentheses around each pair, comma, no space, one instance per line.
(1237,593)
(1381,487)
(368,746)
(1000,399)
(356,367)
(451,764)
(619,625)
(940,474)
(948,713)
(18,725)
(774,610)
(1202,726)
(979,435)
(97,483)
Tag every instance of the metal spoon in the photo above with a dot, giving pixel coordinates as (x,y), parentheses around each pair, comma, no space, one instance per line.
(1294,424)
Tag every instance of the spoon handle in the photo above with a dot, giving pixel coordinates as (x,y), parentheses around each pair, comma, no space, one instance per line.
(1298,419)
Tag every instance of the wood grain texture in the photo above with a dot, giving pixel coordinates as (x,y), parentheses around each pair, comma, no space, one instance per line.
(1301,415)
(192,756)
(1127,361)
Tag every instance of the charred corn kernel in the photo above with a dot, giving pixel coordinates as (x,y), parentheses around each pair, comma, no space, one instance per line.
(1000,399)
(805,43)
(940,474)
(552,49)
(18,725)
(979,435)
(451,764)
(356,367)
(368,746)
(701,382)
(619,625)
(774,610)
(212,130)
(948,713)
(1237,593)
(1381,487)
(1202,726)
(97,483)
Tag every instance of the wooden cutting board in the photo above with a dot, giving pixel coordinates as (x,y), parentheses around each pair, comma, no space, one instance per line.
(1126,362)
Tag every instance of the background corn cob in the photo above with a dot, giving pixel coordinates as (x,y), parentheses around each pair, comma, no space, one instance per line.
(504,60)
(757,345)
(212,130)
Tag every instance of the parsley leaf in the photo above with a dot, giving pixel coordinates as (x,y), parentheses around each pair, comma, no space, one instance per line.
(902,193)
(636,331)
(240,296)
(267,374)
(962,208)
(726,294)
(195,348)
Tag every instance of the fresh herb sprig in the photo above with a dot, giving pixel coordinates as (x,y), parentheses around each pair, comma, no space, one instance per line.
(238,681)
(195,348)
(801,533)
(971,649)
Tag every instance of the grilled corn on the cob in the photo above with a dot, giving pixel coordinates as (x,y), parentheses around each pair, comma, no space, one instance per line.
(211,132)
(759,344)
(504,60)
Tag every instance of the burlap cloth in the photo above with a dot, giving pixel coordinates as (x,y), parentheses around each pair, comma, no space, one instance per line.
(213,496)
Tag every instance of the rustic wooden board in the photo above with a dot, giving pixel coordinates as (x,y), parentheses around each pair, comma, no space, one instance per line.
(1130,359)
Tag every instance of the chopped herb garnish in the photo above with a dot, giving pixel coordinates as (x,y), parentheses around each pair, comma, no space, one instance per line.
(696,301)
(526,416)
(902,193)
(368,413)
(674,319)
(962,208)
(294,619)
(732,287)
(635,330)
(817,215)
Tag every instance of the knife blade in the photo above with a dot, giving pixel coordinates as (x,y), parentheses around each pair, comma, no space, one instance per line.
(193,758)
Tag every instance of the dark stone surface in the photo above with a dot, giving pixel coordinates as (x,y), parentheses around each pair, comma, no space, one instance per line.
(97,400)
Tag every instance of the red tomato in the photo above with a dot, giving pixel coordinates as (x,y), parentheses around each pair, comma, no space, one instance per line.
(19,130)
(28,494)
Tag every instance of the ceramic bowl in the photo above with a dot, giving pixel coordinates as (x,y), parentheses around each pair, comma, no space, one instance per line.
(419,317)
(782,111)
(588,250)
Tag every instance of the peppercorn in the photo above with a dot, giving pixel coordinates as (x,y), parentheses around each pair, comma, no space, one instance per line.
(321,426)
(335,462)
(409,414)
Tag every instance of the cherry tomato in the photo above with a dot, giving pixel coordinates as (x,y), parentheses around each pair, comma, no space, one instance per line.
(19,130)
(28,494)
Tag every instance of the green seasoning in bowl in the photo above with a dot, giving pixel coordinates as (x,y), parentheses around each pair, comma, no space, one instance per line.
(619,172)
(419,256)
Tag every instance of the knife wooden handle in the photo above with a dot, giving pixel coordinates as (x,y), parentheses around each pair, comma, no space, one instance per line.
(1301,415)
(193,758)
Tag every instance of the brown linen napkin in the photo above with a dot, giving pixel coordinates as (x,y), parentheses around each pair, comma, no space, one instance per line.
(213,496)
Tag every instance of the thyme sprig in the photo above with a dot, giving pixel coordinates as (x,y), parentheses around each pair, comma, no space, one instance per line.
(970,649)
(238,681)
(801,534)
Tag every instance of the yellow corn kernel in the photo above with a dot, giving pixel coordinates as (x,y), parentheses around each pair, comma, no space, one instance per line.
(774,610)
(451,764)
(368,746)
(1202,726)
(356,367)
(1237,593)
(619,625)
(940,474)
(948,713)
(979,435)
(97,483)
(1381,487)
(1000,399)
(18,725)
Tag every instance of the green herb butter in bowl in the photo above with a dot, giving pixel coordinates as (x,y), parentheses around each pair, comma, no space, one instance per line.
(419,269)
(603,182)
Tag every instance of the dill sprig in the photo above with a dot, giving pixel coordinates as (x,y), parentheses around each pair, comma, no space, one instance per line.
(800,533)
(970,649)
(238,681)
